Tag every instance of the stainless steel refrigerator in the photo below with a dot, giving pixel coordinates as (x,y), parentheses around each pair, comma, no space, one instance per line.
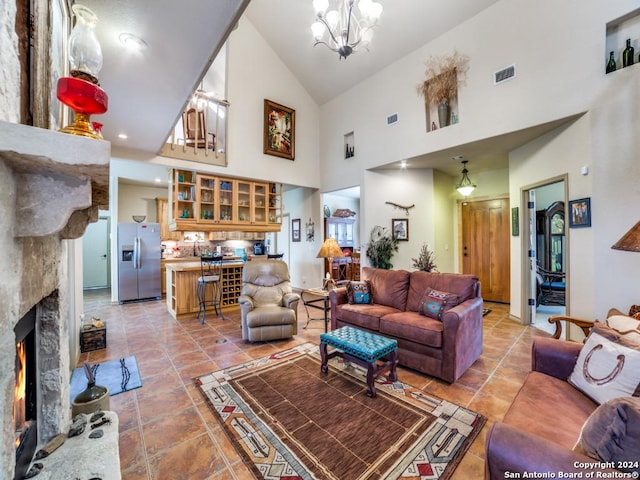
(138,261)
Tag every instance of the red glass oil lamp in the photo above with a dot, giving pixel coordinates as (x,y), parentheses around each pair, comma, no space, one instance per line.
(81,92)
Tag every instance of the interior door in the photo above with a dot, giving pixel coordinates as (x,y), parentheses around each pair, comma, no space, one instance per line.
(486,246)
(95,255)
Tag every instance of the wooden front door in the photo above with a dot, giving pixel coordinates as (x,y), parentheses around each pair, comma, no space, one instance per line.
(486,247)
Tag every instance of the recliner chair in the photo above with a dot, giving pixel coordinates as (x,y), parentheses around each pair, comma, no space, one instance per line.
(268,307)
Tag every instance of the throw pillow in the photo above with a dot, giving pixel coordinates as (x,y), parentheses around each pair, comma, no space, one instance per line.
(627,326)
(434,303)
(612,434)
(608,366)
(359,292)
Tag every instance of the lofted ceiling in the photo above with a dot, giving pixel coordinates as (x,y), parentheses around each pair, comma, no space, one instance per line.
(148,90)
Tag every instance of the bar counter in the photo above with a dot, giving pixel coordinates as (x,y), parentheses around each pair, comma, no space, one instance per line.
(182,283)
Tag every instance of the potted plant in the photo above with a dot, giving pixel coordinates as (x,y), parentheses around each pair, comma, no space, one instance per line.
(443,75)
(426,259)
(382,245)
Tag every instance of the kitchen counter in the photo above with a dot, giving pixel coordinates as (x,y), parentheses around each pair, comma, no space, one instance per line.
(181,280)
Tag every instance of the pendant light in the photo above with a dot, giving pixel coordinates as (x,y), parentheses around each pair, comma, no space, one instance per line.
(465,186)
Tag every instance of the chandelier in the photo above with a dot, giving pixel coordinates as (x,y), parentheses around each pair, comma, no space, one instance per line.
(345,31)
(465,186)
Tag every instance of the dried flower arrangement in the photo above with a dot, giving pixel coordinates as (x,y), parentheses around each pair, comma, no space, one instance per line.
(443,75)
(426,260)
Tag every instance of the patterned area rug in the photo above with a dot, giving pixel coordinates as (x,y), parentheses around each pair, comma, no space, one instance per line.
(289,421)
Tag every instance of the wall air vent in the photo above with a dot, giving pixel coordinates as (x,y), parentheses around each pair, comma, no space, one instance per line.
(391,119)
(505,74)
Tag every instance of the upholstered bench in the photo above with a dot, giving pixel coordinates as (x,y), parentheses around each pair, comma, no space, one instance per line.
(362,348)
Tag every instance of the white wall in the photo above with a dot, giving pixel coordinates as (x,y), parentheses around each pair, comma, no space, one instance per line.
(138,200)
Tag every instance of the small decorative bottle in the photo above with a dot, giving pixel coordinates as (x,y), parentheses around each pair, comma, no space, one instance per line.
(611,65)
(627,54)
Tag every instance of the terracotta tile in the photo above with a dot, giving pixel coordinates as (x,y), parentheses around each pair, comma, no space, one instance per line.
(192,459)
(188,374)
(473,379)
(186,359)
(227,361)
(169,430)
(161,382)
(135,472)
(471,466)
(130,447)
(491,407)
(153,406)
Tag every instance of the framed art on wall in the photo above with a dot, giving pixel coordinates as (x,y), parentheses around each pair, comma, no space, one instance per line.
(400,229)
(279,130)
(580,213)
(295,230)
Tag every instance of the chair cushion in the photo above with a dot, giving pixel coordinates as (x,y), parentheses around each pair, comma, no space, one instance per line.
(612,434)
(272,315)
(434,303)
(359,292)
(209,278)
(608,365)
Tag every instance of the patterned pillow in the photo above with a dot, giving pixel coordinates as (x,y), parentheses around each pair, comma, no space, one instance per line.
(434,303)
(629,327)
(359,292)
(612,434)
(608,366)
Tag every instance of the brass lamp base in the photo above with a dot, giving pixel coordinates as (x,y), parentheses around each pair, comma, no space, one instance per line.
(81,126)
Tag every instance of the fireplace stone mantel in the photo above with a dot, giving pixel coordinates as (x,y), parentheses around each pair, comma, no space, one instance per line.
(57,175)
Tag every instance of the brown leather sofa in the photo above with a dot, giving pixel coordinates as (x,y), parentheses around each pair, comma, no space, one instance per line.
(543,424)
(443,349)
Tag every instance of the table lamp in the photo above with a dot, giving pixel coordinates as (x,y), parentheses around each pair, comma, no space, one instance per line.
(330,250)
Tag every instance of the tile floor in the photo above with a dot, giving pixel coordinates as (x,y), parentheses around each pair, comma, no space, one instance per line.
(168,432)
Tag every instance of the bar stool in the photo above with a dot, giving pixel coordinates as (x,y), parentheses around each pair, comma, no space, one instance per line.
(211,273)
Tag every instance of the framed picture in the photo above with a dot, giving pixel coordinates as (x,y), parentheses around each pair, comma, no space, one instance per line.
(279,130)
(50,62)
(400,228)
(295,230)
(515,222)
(580,213)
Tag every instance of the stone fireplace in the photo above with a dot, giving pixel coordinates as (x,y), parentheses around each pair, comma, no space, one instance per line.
(51,186)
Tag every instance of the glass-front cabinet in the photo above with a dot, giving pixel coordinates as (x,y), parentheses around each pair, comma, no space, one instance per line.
(550,231)
(205,202)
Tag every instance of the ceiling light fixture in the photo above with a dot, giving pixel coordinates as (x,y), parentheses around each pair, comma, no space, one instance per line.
(345,31)
(122,136)
(132,42)
(465,186)
(403,164)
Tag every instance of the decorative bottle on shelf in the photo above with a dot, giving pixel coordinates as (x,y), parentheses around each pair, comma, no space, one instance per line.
(611,65)
(627,54)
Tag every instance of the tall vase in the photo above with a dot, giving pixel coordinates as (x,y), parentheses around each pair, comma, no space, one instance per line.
(444,114)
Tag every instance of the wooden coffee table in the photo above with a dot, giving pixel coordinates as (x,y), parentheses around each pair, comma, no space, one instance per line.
(362,348)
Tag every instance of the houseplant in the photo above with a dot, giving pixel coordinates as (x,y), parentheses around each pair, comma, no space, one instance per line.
(426,260)
(443,75)
(382,245)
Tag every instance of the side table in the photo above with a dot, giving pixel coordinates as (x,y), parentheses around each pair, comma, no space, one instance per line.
(320,302)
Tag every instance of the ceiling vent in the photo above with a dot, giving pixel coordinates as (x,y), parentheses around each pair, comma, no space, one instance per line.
(505,74)
(391,119)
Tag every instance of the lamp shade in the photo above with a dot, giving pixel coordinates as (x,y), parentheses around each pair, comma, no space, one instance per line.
(330,249)
(630,241)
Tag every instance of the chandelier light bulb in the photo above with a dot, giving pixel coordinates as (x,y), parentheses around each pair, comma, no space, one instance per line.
(333,17)
(320,6)
(318,29)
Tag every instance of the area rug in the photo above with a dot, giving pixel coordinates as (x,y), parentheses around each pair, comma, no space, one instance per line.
(118,376)
(289,421)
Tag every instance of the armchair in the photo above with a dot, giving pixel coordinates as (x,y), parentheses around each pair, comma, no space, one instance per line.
(268,307)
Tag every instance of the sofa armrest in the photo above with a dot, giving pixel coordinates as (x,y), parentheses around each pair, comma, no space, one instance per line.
(585,325)
(462,338)
(337,296)
(554,357)
(509,451)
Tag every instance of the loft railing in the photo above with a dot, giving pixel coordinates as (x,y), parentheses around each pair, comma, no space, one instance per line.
(201,132)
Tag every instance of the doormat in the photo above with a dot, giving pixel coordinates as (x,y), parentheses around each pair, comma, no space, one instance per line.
(289,421)
(486,311)
(118,376)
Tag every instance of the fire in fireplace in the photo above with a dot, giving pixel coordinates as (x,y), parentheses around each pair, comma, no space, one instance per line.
(24,402)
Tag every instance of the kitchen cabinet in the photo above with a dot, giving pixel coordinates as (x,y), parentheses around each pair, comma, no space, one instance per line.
(204,202)
(162,212)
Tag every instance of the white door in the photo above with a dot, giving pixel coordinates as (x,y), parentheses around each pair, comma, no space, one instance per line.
(95,254)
